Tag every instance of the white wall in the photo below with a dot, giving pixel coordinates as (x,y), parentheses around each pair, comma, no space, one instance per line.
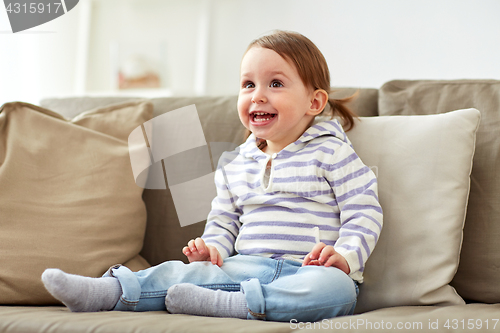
(40,61)
(144,22)
(366,42)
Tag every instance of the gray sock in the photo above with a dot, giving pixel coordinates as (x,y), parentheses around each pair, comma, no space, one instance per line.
(188,298)
(80,293)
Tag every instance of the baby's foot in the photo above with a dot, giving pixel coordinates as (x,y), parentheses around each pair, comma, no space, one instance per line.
(188,298)
(80,293)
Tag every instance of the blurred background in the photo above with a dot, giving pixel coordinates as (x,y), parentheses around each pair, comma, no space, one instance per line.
(156,48)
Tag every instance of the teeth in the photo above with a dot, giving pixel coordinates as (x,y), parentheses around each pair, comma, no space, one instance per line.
(262,114)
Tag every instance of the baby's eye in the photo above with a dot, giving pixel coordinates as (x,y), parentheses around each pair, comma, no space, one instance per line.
(248,85)
(276,84)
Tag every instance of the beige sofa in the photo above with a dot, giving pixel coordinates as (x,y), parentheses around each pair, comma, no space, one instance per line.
(425,274)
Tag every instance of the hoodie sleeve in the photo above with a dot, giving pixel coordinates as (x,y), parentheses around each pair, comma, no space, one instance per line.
(355,188)
(223,222)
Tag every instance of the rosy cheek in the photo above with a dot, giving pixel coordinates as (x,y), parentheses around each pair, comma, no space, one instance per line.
(243,105)
(240,102)
(243,115)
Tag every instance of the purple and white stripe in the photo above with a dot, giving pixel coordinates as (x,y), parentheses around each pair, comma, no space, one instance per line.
(318,190)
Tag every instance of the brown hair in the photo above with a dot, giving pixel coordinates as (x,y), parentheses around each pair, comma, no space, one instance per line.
(311,66)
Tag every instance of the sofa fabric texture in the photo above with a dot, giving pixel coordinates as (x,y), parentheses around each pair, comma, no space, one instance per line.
(67,198)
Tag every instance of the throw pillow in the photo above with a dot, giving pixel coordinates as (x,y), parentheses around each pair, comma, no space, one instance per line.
(68,198)
(423,164)
(478,277)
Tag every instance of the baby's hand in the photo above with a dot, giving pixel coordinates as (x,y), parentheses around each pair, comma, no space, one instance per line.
(197,250)
(325,255)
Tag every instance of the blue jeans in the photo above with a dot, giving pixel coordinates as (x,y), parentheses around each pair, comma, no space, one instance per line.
(277,290)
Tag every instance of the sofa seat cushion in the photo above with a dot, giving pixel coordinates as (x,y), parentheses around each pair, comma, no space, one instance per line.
(68,198)
(478,275)
(457,318)
(55,319)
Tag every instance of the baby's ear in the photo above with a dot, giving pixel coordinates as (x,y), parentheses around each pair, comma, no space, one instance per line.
(319,98)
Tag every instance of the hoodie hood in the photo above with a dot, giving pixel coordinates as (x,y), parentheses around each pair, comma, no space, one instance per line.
(330,127)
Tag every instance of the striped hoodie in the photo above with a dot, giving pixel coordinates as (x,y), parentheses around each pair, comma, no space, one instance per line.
(316,190)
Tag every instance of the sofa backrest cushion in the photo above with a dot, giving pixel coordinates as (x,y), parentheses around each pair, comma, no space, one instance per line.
(365,102)
(68,199)
(423,165)
(478,275)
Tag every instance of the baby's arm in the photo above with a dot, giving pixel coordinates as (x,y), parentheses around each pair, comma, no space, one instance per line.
(197,250)
(223,223)
(355,189)
(325,255)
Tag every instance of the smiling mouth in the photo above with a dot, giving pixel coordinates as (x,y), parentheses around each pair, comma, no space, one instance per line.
(262,116)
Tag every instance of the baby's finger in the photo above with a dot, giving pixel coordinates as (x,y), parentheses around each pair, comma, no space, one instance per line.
(214,255)
(315,252)
(339,262)
(332,261)
(191,245)
(219,259)
(307,260)
(200,245)
(186,251)
(326,253)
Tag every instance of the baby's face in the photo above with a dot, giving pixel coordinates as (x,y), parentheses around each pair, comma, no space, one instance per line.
(273,101)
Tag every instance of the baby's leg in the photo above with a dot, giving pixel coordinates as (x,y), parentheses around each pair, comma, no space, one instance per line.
(82,294)
(188,298)
(312,293)
(306,294)
(138,291)
(146,290)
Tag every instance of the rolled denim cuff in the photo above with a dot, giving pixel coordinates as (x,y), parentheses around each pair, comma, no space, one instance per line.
(130,287)
(255,299)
